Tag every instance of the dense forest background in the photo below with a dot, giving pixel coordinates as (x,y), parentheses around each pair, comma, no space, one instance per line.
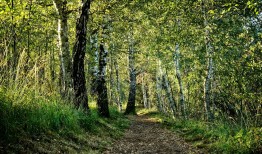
(198,59)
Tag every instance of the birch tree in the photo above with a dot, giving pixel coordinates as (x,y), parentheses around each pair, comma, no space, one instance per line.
(130,109)
(102,100)
(65,57)
(167,88)
(209,76)
(178,76)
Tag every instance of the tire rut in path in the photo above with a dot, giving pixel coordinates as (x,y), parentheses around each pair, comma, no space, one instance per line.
(146,135)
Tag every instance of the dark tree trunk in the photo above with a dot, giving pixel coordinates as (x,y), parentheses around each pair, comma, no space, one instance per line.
(14,52)
(79,82)
(119,98)
(102,101)
(131,108)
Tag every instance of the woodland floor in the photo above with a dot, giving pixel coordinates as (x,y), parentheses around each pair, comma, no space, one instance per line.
(147,135)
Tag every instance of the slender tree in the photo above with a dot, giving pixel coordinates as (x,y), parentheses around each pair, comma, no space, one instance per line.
(209,76)
(119,98)
(65,57)
(178,76)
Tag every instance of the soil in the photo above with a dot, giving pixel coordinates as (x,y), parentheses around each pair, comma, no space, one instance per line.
(146,135)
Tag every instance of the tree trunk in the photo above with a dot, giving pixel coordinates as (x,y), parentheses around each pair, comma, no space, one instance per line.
(65,57)
(111,79)
(178,75)
(144,91)
(15,54)
(131,107)
(94,63)
(209,76)
(167,88)
(119,99)
(52,65)
(102,101)
(159,94)
(79,82)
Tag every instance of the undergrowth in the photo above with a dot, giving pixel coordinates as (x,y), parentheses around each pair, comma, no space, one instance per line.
(215,137)
(29,116)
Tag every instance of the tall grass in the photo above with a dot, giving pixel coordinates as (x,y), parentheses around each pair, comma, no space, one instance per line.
(215,137)
(27,114)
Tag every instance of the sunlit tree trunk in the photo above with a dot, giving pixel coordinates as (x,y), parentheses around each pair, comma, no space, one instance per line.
(209,76)
(65,57)
(167,88)
(102,100)
(79,82)
(178,75)
(94,63)
(130,109)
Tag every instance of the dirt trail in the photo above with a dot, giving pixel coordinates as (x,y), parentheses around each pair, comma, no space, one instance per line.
(146,136)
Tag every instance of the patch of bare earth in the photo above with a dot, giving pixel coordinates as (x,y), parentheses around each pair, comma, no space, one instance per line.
(146,135)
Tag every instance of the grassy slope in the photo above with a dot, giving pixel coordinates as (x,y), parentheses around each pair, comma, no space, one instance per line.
(49,126)
(213,137)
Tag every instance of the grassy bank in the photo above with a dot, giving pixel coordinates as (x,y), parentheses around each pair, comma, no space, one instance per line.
(217,137)
(36,124)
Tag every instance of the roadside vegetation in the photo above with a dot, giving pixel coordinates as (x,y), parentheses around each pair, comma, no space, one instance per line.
(30,123)
(219,137)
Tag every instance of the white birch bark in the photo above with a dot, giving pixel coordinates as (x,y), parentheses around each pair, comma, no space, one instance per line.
(65,57)
(159,94)
(209,76)
(167,88)
(178,75)
(131,108)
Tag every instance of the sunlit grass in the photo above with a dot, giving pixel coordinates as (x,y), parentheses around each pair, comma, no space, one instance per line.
(23,115)
(216,137)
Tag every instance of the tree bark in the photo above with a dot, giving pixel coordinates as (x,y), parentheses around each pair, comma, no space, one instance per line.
(65,57)
(178,75)
(119,99)
(79,82)
(167,88)
(15,55)
(209,76)
(94,63)
(111,79)
(145,94)
(102,102)
(131,107)
(159,94)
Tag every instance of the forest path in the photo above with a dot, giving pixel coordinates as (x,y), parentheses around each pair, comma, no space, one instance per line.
(147,135)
